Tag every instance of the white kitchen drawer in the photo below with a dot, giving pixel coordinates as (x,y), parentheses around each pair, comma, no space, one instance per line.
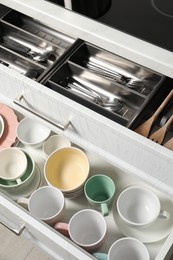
(158,238)
(117,144)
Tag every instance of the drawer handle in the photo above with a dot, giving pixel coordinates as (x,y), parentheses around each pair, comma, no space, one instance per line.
(18,100)
(17,231)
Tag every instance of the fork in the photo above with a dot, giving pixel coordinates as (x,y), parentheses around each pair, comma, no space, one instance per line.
(159,135)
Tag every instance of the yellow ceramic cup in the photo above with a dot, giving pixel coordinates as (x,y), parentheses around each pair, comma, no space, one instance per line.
(67,169)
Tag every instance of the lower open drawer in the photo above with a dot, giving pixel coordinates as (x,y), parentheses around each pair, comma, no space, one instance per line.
(158,238)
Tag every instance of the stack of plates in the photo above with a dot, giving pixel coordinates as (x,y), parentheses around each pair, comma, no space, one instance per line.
(8,126)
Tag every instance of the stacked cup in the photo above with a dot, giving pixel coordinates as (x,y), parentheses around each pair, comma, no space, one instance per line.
(67,169)
(17,169)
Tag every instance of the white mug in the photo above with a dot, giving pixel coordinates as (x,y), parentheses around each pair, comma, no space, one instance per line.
(87,228)
(126,248)
(139,207)
(47,203)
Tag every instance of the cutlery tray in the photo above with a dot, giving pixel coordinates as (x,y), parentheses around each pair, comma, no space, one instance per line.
(154,237)
(106,83)
(26,44)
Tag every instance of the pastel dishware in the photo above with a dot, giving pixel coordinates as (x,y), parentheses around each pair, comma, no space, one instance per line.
(32,133)
(13,164)
(74,194)
(126,248)
(140,207)
(55,142)
(26,179)
(100,190)
(87,228)
(46,203)
(67,169)
(8,137)
(1,126)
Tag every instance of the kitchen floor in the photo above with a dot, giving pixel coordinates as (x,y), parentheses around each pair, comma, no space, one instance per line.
(16,247)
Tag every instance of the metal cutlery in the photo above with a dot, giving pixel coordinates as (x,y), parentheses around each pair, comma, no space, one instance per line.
(135,83)
(145,128)
(21,49)
(159,135)
(105,70)
(84,90)
(112,104)
(106,73)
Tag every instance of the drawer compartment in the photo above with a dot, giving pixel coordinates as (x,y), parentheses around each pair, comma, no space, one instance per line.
(106,83)
(70,76)
(14,62)
(35,44)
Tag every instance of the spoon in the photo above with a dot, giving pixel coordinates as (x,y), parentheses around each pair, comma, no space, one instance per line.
(40,56)
(37,56)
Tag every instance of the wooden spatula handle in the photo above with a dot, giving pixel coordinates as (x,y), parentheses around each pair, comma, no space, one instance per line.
(164,103)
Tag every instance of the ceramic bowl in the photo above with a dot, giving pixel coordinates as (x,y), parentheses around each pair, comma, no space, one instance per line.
(67,169)
(13,163)
(26,179)
(31,132)
(55,142)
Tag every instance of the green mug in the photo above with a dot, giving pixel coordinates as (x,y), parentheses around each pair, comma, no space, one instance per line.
(99,191)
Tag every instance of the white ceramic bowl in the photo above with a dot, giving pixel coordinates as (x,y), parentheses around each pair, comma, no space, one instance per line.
(31,132)
(54,143)
(26,178)
(67,169)
(13,163)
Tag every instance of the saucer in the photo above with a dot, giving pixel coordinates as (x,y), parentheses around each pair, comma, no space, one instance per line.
(10,126)
(28,191)
(1,126)
(159,230)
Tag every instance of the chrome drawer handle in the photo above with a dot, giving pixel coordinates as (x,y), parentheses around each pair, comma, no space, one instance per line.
(17,231)
(18,100)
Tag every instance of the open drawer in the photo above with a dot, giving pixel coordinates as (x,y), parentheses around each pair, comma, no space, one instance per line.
(158,238)
(28,46)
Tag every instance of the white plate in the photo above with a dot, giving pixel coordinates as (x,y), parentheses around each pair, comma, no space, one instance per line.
(28,191)
(159,230)
(1,126)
